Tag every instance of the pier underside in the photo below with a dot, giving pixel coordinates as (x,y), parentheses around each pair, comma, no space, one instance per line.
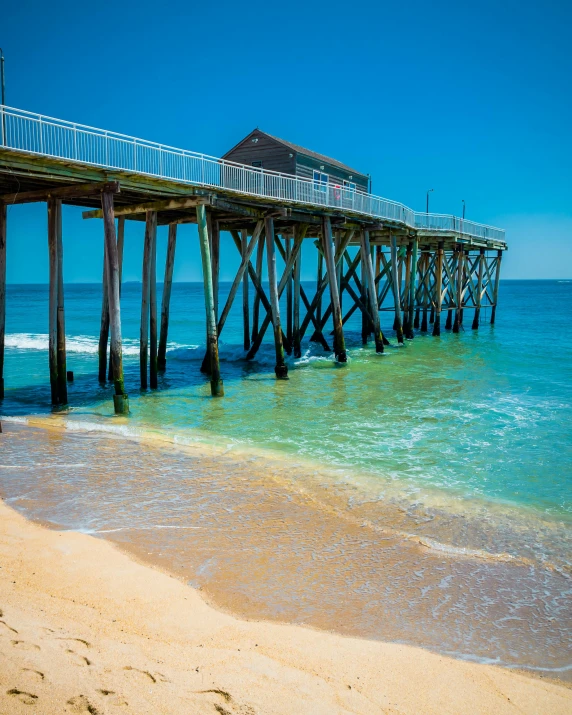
(428,279)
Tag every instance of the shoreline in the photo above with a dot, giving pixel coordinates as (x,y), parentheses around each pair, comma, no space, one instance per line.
(84,626)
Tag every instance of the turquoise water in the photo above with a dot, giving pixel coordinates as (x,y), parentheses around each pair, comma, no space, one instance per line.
(421,496)
(481,414)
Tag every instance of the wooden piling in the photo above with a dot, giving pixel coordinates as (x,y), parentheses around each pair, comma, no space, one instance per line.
(319,279)
(426,292)
(120,244)
(496,287)
(153,308)
(256,301)
(214,235)
(166,298)
(327,244)
(296,342)
(217,389)
(396,290)
(370,291)
(478,299)
(53,299)
(281,368)
(104,324)
(61,323)
(459,289)
(438,291)
(245,302)
(120,399)
(289,306)
(3,236)
(365,328)
(150,226)
(412,285)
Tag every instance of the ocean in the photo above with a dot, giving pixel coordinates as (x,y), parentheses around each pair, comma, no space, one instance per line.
(421,496)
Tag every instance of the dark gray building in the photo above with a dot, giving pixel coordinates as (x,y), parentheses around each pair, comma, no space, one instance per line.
(264,151)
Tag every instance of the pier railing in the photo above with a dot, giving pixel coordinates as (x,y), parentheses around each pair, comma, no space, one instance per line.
(46,136)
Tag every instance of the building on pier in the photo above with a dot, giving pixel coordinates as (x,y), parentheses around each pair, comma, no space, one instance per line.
(264,151)
(372,254)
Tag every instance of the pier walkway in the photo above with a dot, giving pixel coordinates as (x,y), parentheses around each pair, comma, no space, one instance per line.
(383,255)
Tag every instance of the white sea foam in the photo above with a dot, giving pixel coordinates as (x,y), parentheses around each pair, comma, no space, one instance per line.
(82,344)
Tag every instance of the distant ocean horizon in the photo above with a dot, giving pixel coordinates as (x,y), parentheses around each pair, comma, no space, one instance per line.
(448,457)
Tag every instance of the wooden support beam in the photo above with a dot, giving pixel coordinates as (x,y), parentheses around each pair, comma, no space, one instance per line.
(459,287)
(53,299)
(245,301)
(289,306)
(365,327)
(370,290)
(425,292)
(153,308)
(479,296)
(327,244)
(438,291)
(61,192)
(296,340)
(104,324)
(120,244)
(407,326)
(214,239)
(166,298)
(187,202)
(150,229)
(120,399)
(256,302)
(496,287)
(3,237)
(319,281)
(412,285)
(61,323)
(396,290)
(280,369)
(217,389)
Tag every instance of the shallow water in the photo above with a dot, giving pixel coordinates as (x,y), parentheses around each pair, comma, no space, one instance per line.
(421,496)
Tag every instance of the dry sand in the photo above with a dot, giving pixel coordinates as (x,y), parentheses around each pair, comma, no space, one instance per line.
(84,628)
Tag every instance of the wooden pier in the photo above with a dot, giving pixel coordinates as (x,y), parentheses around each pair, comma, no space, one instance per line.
(372,255)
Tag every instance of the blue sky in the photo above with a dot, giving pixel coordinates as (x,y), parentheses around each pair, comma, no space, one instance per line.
(471,99)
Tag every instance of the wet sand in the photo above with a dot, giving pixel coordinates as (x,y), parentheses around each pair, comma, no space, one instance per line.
(87,629)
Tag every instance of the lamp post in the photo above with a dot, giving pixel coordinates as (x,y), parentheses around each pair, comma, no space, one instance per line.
(463,200)
(3,96)
(427,204)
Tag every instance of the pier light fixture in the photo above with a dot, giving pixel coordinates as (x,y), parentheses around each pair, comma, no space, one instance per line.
(427,204)
(322,167)
(255,140)
(463,201)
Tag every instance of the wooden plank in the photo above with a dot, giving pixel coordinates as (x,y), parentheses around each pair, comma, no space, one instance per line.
(217,389)
(280,368)
(186,202)
(3,237)
(120,399)
(339,342)
(61,323)
(61,192)
(53,299)
(166,298)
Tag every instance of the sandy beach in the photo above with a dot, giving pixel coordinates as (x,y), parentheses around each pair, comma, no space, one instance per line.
(87,629)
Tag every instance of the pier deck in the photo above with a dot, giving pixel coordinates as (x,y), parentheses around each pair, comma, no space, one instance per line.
(417,265)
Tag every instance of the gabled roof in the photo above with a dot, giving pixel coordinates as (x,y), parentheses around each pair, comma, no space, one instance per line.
(300,150)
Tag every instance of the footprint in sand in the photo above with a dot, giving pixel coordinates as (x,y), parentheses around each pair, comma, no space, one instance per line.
(114,699)
(24,645)
(77,658)
(3,623)
(35,674)
(146,673)
(81,706)
(23,696)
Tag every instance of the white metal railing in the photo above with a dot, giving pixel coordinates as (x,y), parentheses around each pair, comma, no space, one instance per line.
(37,134)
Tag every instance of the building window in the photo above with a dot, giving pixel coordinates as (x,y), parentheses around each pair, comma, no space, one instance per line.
(320,181)
(349,186)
